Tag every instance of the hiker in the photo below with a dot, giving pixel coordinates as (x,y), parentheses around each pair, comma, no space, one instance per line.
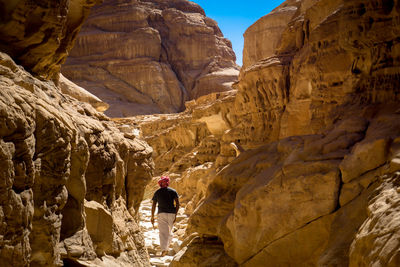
(165,197)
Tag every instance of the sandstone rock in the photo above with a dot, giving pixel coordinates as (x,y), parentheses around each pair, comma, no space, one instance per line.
(152,58)
(79,245)
(71,89)
(316,114)
(99,223)
(377,240)
(40,36)
(56,152)
(194,255)
(327,70)
(364,157)
(263,37)
(323,242)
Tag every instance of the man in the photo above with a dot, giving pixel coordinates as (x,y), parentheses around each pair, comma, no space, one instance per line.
(165,197)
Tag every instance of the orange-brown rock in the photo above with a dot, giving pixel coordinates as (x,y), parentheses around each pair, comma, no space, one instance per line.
(146,57)
(194,255)
(56,153)
(377,240)
(315,124)
(39,36)
(325,104)
(71,89)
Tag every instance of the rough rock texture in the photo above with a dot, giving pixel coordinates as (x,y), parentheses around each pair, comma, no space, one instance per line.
(62,162)
(315,98)
(190,138)
(77,92)
(194,255)
(56,152)
(316,127)
(39,35)
(377,241)
(146,57)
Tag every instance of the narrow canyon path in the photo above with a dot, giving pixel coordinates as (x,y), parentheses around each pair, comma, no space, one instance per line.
(151,235)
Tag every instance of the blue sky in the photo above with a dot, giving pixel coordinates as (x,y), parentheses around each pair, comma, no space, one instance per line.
(235,16)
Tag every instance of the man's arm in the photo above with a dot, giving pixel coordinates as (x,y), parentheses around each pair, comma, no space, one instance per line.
(153,209)
(177,207)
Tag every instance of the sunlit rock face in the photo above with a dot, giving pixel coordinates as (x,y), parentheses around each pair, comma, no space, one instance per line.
(317,120)
(62,162)
(322,101)
(146,57)
(56,153)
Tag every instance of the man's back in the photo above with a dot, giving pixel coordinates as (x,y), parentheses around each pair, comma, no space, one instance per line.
(165,198)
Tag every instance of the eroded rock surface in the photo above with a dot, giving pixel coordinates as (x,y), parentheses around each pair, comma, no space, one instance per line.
(64,164)
(39,36)
(71,89)
(56,153)
(146,57)
(315,126)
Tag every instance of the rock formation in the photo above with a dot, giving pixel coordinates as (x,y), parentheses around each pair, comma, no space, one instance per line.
(146,57)
(71,182)
(39,36)
(79,93)
(299,164)
(317,120)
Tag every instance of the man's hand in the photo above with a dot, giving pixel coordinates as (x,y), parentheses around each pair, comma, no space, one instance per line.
(153,209)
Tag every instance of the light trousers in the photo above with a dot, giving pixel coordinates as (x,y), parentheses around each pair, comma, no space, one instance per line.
(165,225)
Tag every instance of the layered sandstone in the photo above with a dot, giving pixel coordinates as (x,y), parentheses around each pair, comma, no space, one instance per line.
(64,166)
(325,104)
(146,57)
(315,124)
(52,149)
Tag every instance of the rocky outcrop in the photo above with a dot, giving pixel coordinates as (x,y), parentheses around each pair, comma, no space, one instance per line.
(79,93)
(146,57)
(315,100)
(39,36)
(64,164)
(315,124)
(377,240)
(56,153)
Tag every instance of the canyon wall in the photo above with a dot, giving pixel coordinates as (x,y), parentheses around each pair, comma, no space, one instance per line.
(147,57)
(311,174)
(71,182)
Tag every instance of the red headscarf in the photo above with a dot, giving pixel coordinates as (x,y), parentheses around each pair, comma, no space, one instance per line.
(164,181)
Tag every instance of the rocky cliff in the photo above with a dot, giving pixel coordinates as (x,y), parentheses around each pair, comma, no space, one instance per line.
(146,57)
(39,35)
(71,183)
(312,176)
